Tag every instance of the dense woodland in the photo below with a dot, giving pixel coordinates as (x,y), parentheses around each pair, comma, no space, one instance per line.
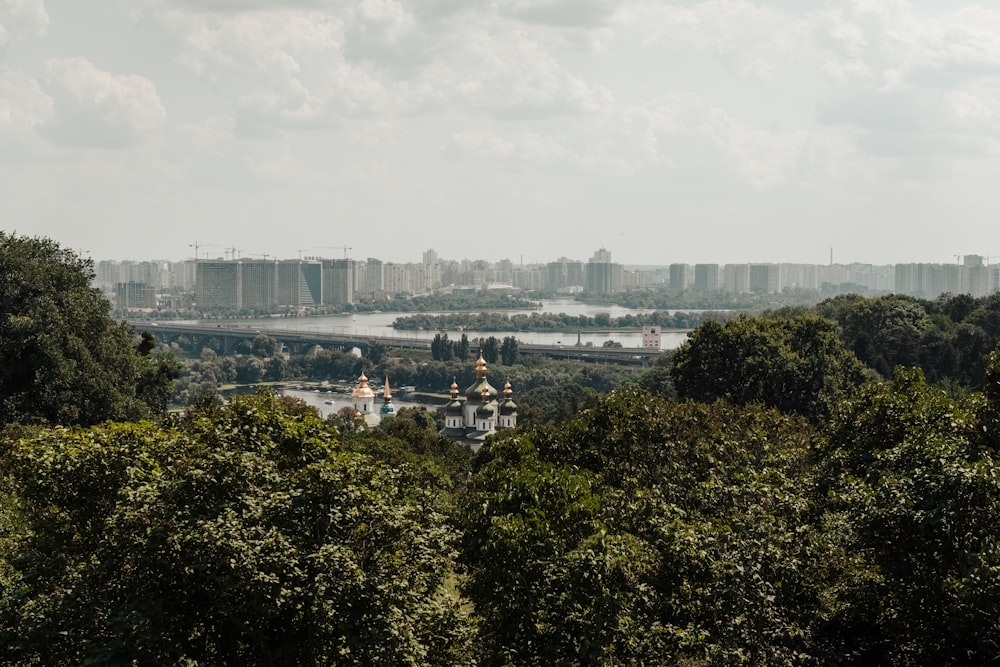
(805,487)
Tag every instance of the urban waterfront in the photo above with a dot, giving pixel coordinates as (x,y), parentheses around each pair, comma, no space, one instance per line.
(380,324)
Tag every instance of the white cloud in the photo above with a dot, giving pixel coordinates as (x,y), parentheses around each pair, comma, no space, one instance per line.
(18,17)
(911,84)
(22,102)
(93,108)
(562,13)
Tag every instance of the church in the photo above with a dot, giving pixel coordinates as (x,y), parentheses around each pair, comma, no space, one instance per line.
(481,413)
(363,400)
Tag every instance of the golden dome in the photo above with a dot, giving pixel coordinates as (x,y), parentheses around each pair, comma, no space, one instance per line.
(363,390)
(481,367)
(386,394)
(454,389)
(507,391)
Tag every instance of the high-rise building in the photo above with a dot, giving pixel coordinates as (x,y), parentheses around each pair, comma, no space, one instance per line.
(300,283)
(218,285)
(680,275)
(707,277)
(338,281)
(765,278)
(259,284)
(373,276)
(602,256)
(736,278)
(134,295)
(604,277)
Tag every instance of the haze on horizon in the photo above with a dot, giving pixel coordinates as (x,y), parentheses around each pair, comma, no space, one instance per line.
(716,131)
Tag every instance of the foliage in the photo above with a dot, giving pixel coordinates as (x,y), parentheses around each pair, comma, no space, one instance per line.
(376,351)
(264,346)
(797,365)
(645,532)
(242,534)
(442,349)
(509,354)
(489,348)
(918,492)
(63,360)
(462,348)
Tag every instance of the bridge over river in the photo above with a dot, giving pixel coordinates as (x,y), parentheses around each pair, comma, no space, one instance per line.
(228,336)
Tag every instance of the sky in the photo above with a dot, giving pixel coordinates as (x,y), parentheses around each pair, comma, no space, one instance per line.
(717,131)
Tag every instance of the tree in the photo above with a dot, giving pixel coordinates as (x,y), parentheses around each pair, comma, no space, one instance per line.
(376,351)
(462,348)
(490,349)
(883,332)
(241,534)
(912,476)
(250,370)
(264,346)
(797,365)
(442,349)
(509,354)
(63,360)
(644,531)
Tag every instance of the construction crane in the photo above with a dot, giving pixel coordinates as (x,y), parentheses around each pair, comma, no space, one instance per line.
(231,253)
(335,247)
(197,245)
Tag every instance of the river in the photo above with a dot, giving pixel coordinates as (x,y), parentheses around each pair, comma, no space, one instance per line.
(380,324)
(328,403)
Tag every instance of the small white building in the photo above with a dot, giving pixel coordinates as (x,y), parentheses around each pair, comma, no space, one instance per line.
(651,336)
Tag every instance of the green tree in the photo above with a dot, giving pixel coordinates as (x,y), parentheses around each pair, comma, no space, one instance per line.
(376,351)
(462,348)
(490,349)
(442,349)
(250,370)
(912,476)
(63,360)
(243,534)
(884,332)
(647,532)
(509,354)
(797,365)
(264,346)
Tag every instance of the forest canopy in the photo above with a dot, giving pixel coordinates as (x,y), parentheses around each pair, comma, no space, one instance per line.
(824,491)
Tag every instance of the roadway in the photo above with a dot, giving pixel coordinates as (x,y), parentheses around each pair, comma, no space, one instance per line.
(230,334)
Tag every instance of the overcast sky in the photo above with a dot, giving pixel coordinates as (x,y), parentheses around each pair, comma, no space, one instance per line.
(718,131)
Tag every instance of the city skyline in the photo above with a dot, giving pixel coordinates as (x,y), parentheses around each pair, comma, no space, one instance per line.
(713,131)
(236,284)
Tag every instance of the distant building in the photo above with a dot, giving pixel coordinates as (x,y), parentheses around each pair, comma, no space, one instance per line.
(736,278)
(564,275)
(651,337)
(219,285)
(300,283)
(338,281)
(603,276)
(259,283)
(707,277)
(601,256)
(133,295)
(765,278)
(680,275)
